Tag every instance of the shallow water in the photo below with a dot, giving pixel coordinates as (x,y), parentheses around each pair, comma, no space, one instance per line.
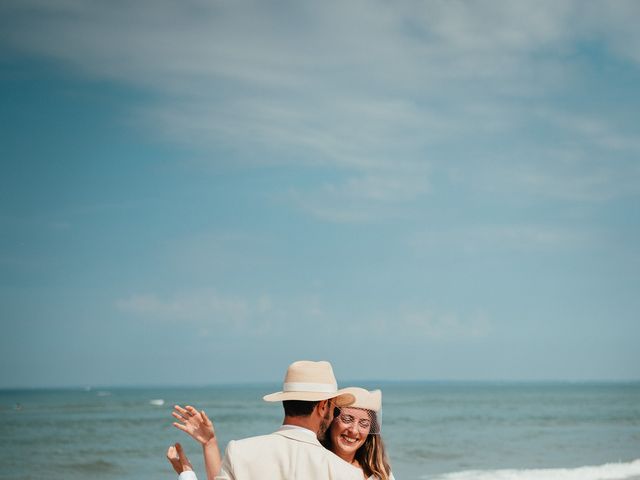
(501,431)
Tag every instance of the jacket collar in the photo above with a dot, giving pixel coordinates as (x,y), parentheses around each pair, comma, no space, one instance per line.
(299,434)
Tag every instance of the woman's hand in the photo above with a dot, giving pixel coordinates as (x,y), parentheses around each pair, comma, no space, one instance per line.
(178,459)
(199,427)
(195,423)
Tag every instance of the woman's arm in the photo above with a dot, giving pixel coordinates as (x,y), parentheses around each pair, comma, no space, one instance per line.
(196,424)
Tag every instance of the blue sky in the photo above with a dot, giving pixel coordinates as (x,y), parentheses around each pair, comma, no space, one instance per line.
(203,192)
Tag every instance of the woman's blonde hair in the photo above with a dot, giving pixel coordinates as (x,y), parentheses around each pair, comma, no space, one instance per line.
(373,458)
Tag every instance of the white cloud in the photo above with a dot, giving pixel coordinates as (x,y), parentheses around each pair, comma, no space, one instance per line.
(435,325)
(567,173)
(366,197)
(208,309)
(593,131)
(617,24)
(200,306)
(519,238)
(263,315)
(422,323)
(494,26)
(368,90)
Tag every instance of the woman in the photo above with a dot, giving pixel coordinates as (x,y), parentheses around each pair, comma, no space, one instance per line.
(354,436)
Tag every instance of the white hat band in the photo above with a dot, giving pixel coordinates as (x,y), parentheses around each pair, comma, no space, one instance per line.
(309,387)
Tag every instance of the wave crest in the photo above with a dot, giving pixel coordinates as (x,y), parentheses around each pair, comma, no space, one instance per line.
(609,471)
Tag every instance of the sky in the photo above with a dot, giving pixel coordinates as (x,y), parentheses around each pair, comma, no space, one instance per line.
(202,192)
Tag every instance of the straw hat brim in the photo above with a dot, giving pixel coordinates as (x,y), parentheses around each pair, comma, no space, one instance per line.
(368,400)
(342,398)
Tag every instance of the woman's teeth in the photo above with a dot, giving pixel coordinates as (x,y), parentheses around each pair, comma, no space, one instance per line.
(349,439)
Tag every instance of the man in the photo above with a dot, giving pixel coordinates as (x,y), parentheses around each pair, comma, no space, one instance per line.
(309,395)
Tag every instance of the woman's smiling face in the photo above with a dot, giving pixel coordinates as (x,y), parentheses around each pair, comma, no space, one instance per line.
(349,430)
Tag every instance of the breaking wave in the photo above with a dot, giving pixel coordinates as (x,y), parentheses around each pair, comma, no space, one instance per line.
(609,471)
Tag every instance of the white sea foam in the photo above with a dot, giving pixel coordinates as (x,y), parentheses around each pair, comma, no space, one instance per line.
(157,401)
(609,471)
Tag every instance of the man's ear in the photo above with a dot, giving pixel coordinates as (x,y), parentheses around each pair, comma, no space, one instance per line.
(322,406)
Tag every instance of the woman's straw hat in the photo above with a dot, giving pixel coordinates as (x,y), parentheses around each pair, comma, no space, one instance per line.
(311,381)
(371,403)
(369,400)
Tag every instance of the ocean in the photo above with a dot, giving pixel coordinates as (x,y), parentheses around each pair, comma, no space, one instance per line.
(433,431)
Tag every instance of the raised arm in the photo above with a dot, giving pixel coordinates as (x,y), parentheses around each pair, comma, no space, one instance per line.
(197,425)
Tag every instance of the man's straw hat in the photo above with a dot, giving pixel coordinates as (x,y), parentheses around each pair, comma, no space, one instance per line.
(311,381)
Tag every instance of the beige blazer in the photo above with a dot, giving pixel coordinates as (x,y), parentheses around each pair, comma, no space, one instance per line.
(284,455)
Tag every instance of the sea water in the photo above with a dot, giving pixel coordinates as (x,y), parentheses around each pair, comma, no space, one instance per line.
(433,431)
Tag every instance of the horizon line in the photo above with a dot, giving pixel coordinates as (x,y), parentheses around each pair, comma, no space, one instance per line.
(248,383)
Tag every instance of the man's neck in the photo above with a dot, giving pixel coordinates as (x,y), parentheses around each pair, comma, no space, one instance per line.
(304,422)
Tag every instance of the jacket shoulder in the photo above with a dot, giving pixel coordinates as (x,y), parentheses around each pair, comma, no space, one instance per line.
(257,440)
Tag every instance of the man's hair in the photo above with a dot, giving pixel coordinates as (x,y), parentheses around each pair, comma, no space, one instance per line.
(298,408)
